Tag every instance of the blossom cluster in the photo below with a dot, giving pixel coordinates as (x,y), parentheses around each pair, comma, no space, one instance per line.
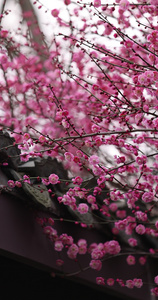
(136,282)
(87,95)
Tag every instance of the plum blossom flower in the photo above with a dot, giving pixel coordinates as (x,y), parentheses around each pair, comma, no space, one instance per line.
(45,181)
(18,184)
(53,179)
(148,197)
(100,280)
(113,207)
(97,253)
(139,140)
(42,139)
(141,160)
(96,170)
(92,247)
(3,33)
(95,128)
(110,281)
(138,118)
(120,159)
(128,44)
(121,225)
(67,2)
(82,246)
(97,3)
(68,156)
(26,178)
(130,260)
(112,247)
(154,291)
(94,206)
(11,183)
(130,284)
(59,262)
(91,199)
(82,208)
(72,251)
(124,4)
(121,214)
(120,282)
(66,239)
(96,264)
(77,180)
(55,13)
(138,282)
(101,180)
(67,200)
(50,231)
(132,242)
(150,76)
(140,229)
(142,79)
(24,157)
(141,216)
(58,246)
(65,123)
(142,260)
(26,136)
(94,160)
(113,196)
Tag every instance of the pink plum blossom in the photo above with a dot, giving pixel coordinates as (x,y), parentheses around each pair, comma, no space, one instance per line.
(138,282)
(18,184)
(124,4)
(66,239)
(58,246)
(100,280)
(94,160)
(96,264)
(154,291)
(142,260)
(11,183)
(42,139)
(59,262)
(97,3)
(140,229)
(55,12)
(67,2)
(68,156)
(72,251)
(92,107)
(45,181)
(26,178)
(130,260)
(82,246)
(110,281)
(77,180)
(53,179)
(112,247)
(82,208)
(130,284)
(91,199)
(148,197)
(132,242)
